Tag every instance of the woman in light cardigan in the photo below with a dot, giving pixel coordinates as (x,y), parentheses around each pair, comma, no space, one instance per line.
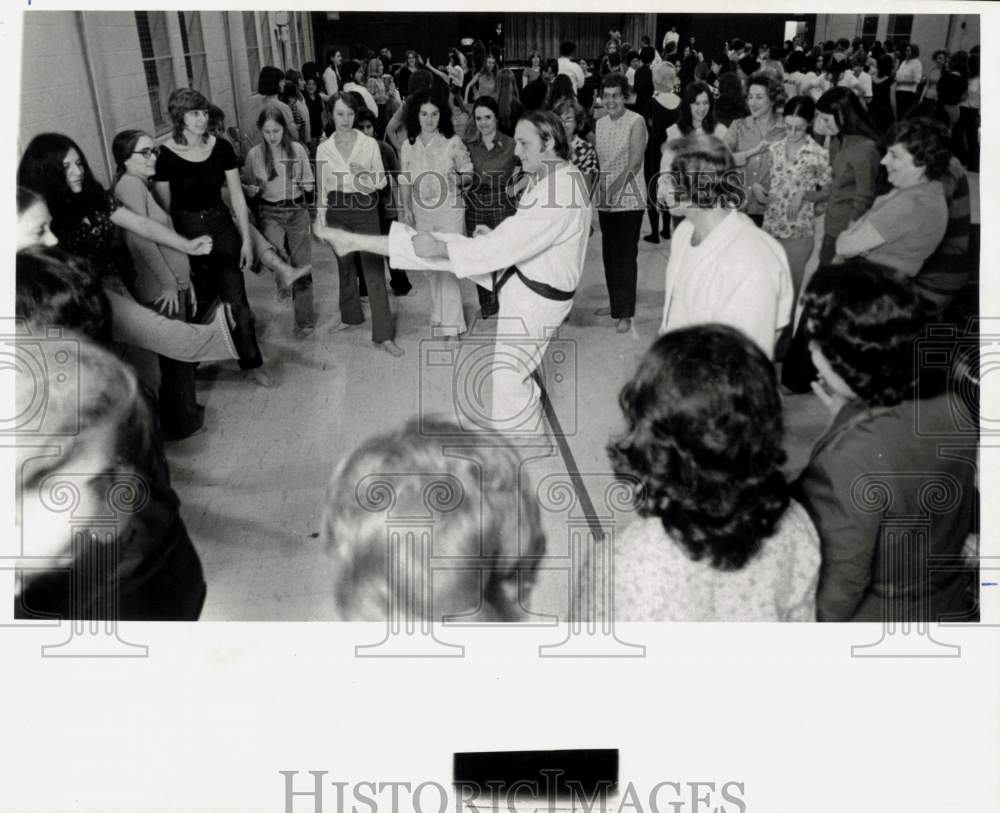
(908,76)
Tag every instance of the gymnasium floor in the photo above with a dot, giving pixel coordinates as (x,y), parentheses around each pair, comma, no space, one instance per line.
(252,485)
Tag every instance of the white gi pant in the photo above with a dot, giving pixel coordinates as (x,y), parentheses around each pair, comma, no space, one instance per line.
(525,324)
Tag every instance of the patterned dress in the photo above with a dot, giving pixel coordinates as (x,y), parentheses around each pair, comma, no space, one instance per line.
(430,171)
(806,172)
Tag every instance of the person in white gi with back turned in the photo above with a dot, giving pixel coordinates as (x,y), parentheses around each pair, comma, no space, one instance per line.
(722,267)
(540,250)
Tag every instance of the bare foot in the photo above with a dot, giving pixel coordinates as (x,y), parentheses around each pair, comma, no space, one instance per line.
(602,312)
(259,377)
(392,348)
(339,240)
(288,274)
(624,325)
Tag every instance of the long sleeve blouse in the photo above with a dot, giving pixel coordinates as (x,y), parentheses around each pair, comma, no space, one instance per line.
(157,267)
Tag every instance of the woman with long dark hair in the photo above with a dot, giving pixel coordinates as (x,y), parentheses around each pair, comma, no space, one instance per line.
(435,167)
(192,169)
(719,538)
(84,218)
(508,102)
(854,160)
(331,74)
(854,157)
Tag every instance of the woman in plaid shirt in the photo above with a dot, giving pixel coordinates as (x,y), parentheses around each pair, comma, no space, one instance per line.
(488,200)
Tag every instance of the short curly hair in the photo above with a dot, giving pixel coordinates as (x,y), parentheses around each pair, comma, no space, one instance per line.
(704,440)
(865,320)
(927,141)
(775,90)
(615,79)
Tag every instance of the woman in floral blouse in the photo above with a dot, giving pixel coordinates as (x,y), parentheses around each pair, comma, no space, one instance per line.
(582,152)
(800,176)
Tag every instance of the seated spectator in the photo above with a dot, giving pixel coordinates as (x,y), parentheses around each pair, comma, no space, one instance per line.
(137,562)
(720,540)
(874,471)
(486,540)
(903,227)
(722,268)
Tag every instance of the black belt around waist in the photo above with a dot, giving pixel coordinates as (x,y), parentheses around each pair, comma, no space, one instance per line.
(282,204)
(540,288)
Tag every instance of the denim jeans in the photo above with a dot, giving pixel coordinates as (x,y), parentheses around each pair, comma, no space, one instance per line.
(219,274)
(358,212)
(292,222)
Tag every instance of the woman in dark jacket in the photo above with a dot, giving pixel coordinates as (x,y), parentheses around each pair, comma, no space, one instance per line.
(893,512)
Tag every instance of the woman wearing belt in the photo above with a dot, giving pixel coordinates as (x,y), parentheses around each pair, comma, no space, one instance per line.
(545,241)
(190,174)
(350,175)
(280,167)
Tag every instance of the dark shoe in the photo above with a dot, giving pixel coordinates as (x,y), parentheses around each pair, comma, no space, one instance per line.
(652,238)
(401,291)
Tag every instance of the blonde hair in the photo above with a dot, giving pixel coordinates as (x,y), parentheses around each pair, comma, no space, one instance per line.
(664,77)
(410,495)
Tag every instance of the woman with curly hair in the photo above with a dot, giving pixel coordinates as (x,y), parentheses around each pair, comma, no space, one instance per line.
(719,538)
(435,168)
(879,465)
(749,138)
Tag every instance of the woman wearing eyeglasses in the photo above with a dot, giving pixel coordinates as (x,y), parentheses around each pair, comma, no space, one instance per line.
(162,277)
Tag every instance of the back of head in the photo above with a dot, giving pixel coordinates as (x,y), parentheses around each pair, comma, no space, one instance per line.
(567,49)
(664,77)
(704,439)
(455,530)
(420,80)
(269,81)
(700,169)
(647,54)
(866,319)
(55,289)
